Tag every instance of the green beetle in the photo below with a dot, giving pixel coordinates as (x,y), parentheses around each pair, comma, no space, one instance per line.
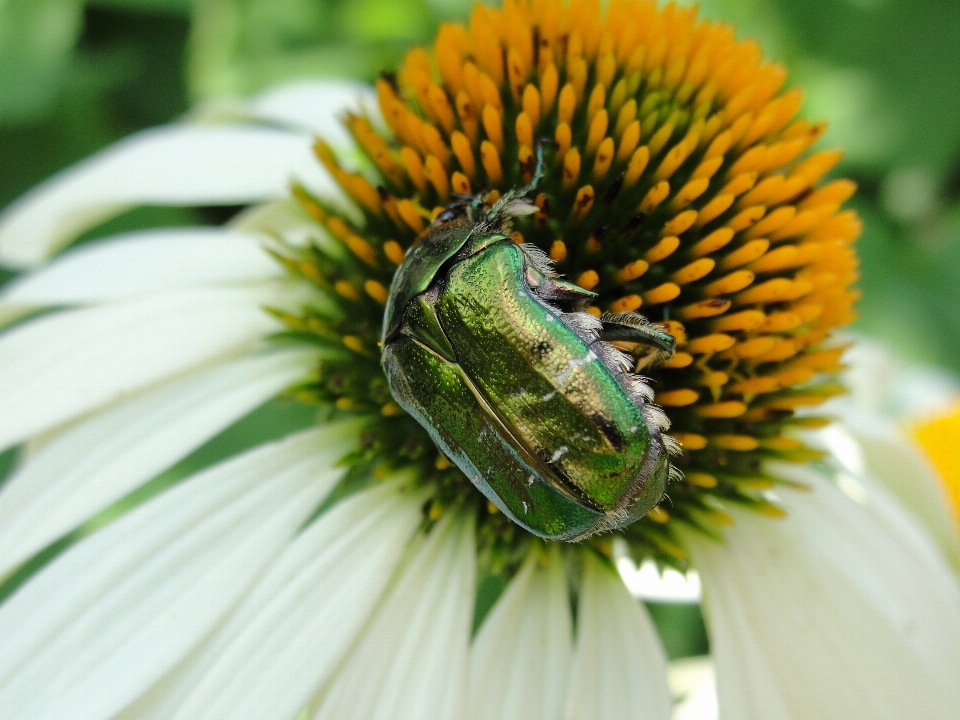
(492,353)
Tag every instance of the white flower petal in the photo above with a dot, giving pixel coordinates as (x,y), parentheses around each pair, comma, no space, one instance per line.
(316,106)
(898,464)
(619,668)
(143,263)
(290,633)
(98,460)
(411,660)
(91,631)
(59,366)
(693,683)
(841,610)
(170,165)
(283,219)
(520,659)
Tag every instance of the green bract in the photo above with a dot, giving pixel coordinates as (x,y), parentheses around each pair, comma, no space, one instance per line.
(492,354)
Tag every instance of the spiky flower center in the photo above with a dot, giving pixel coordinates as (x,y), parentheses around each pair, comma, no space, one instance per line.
(678,186)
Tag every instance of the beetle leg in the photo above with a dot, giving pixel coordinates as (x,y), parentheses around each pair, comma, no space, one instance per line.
(636,328)
(566,296)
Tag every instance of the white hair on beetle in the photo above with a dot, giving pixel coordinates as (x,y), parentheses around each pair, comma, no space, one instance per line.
(539,259)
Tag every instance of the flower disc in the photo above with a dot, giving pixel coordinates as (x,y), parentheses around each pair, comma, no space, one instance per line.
(678,185)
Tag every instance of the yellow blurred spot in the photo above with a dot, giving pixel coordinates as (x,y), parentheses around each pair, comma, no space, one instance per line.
(678,398)
(690,441)
(701,479)
(726,409)
(940,438)
(393,251)
(741,443)
(558,251)
(376,290)
(661,294)
(346,290)
(709,344)
(391,409)
(658,514)
(354,343)
(628,303)
(588,280)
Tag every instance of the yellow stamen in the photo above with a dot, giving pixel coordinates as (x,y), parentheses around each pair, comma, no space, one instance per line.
(661,294)
(638,162)
(558,251)
(414,166)
(598,130)
(524,130)
(631,272)
(588,279)
(714,209)
(548,88)
(678,398)
(772,222)
(744,321)
(731,283)
(712,242)
(376,290)
(393,251)
(567,104)
(626,117)
(709,344)
(703,309)
(571,168)
(748,252)
(531,104)
(437,176)
(493,126)
(582,203)
(354,343)
(680,223)
(604,159)
(690,192)
(346,290)
(701,479)
(490,159)
(411,216)
(690,441)
(656,195)
(627,303)
(596,102)
(662,250)
(745,218)
(658,514)
(460,183)
(693,271)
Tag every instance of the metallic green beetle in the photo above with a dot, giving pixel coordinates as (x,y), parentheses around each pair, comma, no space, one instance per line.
(490,351)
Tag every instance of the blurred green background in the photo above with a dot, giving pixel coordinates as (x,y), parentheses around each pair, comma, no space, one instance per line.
(75,76)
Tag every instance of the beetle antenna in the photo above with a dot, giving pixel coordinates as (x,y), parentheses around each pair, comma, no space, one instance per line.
(515,202)
(538,171)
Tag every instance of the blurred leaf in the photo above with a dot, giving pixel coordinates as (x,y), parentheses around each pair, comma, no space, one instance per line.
(681,629)
(911,295)
(177,7)
(126,74)
(242,46)
(386,19)
(36,41)
(908,55)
